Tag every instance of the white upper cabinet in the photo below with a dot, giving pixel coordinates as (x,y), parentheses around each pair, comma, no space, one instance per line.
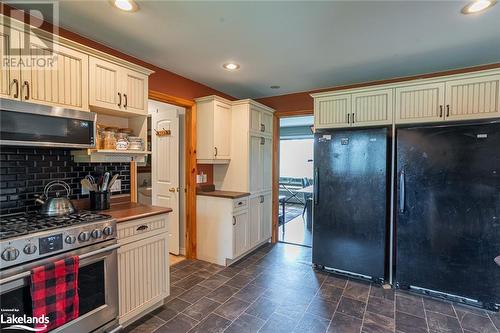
(372,108)
(473,98)
(420,103)
(261,121)
(332,111)
(213,130)
(116,88)
(10,41)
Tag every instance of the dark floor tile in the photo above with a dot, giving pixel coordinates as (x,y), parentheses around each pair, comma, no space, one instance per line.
(336,281)
(442,323)
(214,282)
(410,304)
(322,308)
(182,264)
(245,324)
(250,293)
(223,293)
(262,308)
(376,323)
(189,282)
(239,281)
(410,324)
(495,318)
(344,324)
(357,290)
(330,292)
(312,324)
(211,324)
(165,313)
(278,323)
(381,306)
(194,294)
(179,324)
(460,308)
(351,307)
(380,292)
(442,307)
(177,305)
(201,308)
(232,308)
(475,323)
(293,308)
(174,292)
(146,324)
(230,271)
(180,274)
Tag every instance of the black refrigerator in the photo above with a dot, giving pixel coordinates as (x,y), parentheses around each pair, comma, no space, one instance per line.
(448,210)
(350,201)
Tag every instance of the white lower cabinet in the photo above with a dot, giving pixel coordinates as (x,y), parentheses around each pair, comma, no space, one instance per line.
(241,239)
(260,208)
(143,266)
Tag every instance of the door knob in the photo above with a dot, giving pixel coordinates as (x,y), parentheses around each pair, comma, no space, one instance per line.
(172,189)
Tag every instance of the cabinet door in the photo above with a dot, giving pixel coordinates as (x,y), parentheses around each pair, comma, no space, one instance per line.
(267,164)
(10,43)
(473,98)
(240,233)
(255,119)
(372,108)
(256,169)
(105,85)
(255,211)
(266,122)
(332,111)
(142,275)
(222,131)
(59,78)
(266,217)
(135,92)
(420,103)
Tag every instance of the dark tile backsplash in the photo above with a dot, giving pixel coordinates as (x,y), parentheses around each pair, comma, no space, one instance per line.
(24,172)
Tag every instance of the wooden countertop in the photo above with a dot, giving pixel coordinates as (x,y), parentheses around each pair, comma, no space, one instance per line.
(122,210)
(223,194)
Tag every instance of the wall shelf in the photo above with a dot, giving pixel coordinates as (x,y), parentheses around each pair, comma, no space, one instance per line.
(109,156)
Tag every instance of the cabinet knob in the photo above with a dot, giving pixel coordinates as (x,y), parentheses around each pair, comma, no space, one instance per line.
(172,189)
(215,151)
(234,220)
(262,127)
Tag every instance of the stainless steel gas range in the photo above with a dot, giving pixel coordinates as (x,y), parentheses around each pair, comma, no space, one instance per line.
(31,240)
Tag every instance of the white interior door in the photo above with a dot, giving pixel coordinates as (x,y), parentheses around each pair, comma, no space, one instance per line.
(165,167)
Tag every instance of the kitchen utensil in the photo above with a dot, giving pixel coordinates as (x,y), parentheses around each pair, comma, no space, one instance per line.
(112,181)
(87,185)
(105,182)
(58,205)
(91,181)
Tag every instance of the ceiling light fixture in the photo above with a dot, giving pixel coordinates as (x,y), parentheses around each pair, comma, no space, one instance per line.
(231,66)
(125,5)
(477,6)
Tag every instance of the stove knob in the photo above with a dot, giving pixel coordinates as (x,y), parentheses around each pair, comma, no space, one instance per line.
(84,236)
(10,254)
(96,233)
(30,249)
(108,231)
(70,239)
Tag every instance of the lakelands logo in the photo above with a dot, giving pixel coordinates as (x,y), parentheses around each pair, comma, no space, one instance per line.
(21,322)
(29,46)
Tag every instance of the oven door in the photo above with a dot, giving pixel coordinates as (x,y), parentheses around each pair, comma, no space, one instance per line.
(97,290)
(28,124)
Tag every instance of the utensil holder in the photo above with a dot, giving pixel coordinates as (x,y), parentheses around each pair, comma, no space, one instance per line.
(99,200)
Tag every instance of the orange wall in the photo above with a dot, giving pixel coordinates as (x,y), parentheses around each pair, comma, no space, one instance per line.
(162,80)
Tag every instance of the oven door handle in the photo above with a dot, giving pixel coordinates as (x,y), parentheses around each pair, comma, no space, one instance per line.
(81,257)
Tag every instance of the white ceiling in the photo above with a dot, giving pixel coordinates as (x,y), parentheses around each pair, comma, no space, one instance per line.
(294,44)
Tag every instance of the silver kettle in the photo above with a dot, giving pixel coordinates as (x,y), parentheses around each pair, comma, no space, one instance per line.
(58,205)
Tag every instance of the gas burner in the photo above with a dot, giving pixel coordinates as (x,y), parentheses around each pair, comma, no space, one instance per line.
(26,223)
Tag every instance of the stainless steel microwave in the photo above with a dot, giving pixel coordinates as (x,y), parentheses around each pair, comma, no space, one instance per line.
(28,124)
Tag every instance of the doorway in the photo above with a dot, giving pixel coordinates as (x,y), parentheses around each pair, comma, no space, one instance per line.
(166,128)
(295,180)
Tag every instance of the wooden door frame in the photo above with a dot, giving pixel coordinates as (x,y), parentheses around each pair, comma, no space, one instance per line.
(190,165)
(276,163)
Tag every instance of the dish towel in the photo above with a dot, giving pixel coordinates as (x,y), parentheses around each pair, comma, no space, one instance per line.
(54,292)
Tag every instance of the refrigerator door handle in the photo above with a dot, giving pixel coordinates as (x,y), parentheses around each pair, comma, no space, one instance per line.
(402,189)
(315,188)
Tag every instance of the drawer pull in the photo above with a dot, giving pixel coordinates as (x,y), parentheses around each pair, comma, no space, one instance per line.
(142,227)
(234,220)
(240,203)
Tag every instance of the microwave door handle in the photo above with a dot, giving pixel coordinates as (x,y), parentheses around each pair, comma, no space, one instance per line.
(81,257)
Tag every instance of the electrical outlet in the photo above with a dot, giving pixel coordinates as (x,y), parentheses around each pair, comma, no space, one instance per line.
(117,186)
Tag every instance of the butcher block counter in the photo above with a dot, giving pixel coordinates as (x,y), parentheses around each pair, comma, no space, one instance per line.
(123,212)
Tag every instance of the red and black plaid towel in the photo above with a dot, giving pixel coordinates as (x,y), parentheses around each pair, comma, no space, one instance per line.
(54,292)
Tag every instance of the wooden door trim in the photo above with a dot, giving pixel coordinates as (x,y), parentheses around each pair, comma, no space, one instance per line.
(190,167)
(276,163)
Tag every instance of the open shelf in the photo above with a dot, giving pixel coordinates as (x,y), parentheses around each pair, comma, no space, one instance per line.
(109,155)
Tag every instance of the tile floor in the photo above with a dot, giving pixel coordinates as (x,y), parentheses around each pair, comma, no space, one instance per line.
(296,232)
(275,290)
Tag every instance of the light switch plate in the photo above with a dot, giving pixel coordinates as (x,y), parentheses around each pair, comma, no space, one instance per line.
(117,186)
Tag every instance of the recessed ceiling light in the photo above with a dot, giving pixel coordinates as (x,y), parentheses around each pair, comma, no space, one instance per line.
(231,66)
(274,87)
(478,6)
(125,5)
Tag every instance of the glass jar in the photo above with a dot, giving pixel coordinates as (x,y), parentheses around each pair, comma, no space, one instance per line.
(109,140)
(100,137)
